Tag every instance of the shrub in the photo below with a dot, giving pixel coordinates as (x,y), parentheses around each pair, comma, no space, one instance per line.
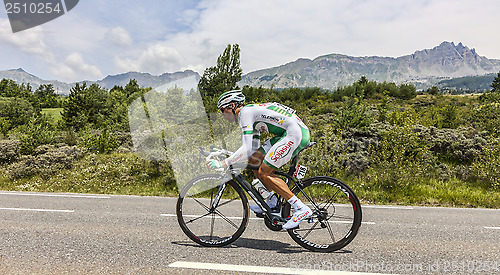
(352,114)
(402,158)
(46,160)
(487,168)
(487,117)
(403,118)
(347,150)
(9,150)
(99,141)
(38,131)
(460,146)
(14,112)
(442,116)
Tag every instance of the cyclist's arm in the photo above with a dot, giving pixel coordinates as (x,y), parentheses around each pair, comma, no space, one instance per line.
(250,139)
(243,153)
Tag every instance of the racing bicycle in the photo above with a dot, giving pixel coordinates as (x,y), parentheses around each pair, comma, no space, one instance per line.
(213,211)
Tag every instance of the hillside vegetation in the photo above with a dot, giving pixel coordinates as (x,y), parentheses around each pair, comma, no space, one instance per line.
(391,144)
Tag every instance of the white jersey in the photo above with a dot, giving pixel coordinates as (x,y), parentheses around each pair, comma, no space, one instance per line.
(271,118)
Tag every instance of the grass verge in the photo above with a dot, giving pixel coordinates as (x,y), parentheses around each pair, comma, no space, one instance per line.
(432,192)
(124,174)
(127,174)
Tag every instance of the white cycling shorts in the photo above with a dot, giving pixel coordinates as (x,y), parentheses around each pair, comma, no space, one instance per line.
(281,149)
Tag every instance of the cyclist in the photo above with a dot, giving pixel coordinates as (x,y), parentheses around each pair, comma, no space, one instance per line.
(291,135)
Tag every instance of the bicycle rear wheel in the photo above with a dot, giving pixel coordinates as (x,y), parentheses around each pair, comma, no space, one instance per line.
(336,215)
(212,227)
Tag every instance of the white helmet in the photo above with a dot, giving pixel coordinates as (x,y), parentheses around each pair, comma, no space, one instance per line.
(226,98)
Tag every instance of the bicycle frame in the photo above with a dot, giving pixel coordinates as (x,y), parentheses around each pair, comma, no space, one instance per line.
(326,236)
(255,195)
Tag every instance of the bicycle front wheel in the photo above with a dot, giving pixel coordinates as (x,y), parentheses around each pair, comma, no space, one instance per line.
(336,215)
(208,225)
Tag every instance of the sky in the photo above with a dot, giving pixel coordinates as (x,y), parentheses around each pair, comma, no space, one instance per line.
(99,38)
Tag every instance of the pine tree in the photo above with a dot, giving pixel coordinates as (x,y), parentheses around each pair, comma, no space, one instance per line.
(496,84)
(222,77)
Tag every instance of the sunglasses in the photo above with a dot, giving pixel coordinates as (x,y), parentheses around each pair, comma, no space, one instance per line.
(224,108)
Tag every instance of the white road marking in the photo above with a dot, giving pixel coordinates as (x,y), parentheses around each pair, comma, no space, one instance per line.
(37,210)
(388,207)
(55,195)
(195,216)
(257,269)
(492,227)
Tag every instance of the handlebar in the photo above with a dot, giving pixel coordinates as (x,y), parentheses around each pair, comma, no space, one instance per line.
(214,152)
(203,152)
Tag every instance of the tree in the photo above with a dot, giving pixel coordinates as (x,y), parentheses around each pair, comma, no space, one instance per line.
(119,100)
(14,112)
(406,91)
(433,90)
(86,106)
(496,84)
(46,97)
(9,88)
(492,96)
(222,77)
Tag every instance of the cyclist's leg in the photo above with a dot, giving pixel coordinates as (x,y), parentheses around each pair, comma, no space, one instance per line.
(265,173)
(258,156)
(271,181)
(278,151)
(278,155)
(256,159)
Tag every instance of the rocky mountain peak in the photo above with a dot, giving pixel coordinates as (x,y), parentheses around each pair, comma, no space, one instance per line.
(423,68)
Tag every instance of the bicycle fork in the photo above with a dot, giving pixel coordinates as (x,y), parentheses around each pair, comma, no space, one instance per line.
(216,200)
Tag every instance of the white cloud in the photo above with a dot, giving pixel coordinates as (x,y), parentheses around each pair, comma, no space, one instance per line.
(116,38)
(75,62)
(30,42)
(271,33)
(119,37)
(157,59)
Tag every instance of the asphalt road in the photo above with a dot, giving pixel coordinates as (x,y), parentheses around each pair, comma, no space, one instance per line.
(48,233)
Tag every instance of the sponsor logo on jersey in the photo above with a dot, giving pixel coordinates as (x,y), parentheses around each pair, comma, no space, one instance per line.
(281,151)
(237,158)
(274,119)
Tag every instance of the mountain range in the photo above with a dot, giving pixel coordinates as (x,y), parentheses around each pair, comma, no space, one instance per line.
(143,79)
(425,68)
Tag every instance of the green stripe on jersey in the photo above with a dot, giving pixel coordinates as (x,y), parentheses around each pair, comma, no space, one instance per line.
(279,110)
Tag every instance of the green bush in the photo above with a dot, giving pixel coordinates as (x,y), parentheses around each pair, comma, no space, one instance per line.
(487,168)
(487,117)
(98,141)
(14,112)
(9,150)
(45,161)
(453,146)
(353,113)
(402,158)
(38,131)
